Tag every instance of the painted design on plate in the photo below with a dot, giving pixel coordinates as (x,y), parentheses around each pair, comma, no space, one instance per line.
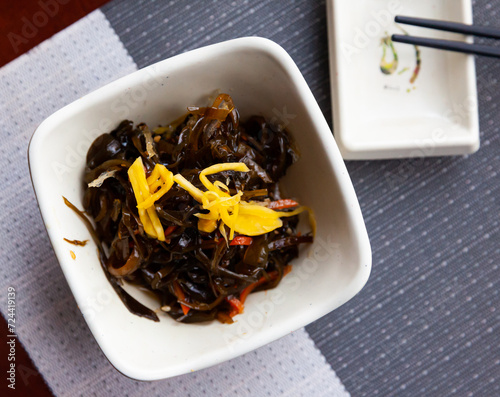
(389,68)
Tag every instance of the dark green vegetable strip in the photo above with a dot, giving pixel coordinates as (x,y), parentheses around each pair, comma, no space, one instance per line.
(131,303)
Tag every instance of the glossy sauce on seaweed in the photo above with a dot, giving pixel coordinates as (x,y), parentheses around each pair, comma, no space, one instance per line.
(196,275)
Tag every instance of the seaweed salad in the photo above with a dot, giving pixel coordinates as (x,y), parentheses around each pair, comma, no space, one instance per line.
(192,211)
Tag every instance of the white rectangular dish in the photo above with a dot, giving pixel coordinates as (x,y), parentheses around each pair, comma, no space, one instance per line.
(377,115)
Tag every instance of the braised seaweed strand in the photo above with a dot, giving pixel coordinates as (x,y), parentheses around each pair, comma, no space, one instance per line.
(131,303)
(192,211)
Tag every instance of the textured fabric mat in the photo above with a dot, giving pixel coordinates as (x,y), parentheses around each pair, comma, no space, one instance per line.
(83,57)
(428,321)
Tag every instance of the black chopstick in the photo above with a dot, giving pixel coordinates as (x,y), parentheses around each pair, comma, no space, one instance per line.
(455,27)
(450,45)
(447,26)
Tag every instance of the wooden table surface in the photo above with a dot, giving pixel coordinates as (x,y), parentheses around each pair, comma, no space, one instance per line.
(29,382)
(26,23)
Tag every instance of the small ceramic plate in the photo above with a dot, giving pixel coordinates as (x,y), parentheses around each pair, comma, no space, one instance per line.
(400,113)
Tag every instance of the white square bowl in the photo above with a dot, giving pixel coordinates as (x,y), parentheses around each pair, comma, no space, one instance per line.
(262,79)
(378,116)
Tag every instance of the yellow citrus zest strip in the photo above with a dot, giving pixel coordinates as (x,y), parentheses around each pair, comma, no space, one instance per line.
(216,168)
(189,187)
(247,218)
(250,219)
(146,194)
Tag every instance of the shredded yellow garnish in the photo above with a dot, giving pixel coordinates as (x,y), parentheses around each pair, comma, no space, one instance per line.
(186,185)
(250,219)
(247,218)
(147,192)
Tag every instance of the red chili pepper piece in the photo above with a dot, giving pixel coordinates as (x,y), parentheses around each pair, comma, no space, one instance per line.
(241,240)
(283,204)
